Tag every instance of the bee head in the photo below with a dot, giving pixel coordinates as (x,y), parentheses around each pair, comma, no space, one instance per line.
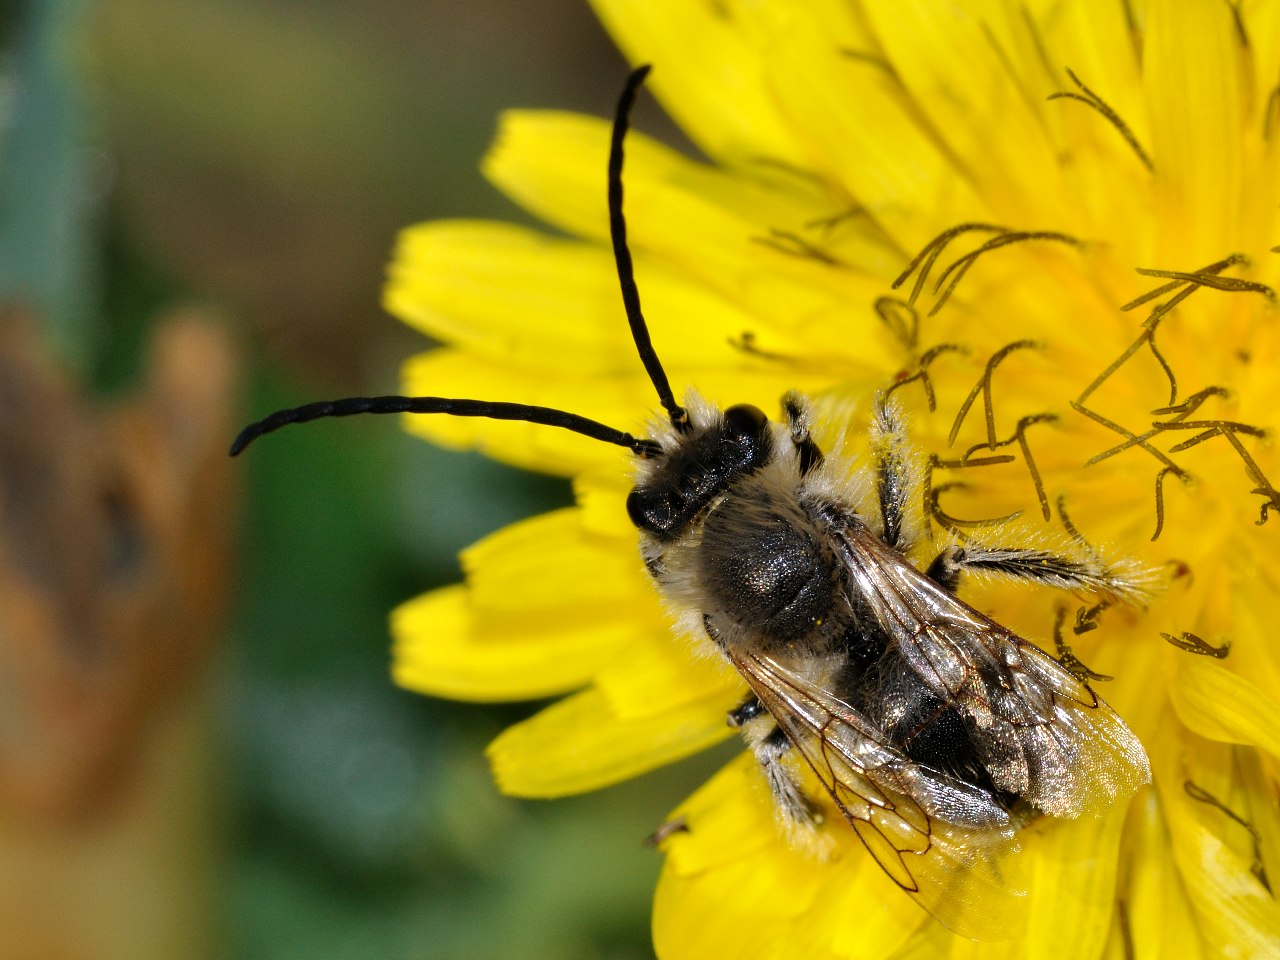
(696,466)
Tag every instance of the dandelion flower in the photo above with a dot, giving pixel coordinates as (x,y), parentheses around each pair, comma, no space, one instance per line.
(1056,227)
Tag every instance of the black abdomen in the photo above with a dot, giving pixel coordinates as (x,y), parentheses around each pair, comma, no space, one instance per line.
(900,704)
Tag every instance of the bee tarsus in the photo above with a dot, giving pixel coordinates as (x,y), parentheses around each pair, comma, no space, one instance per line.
(743,713)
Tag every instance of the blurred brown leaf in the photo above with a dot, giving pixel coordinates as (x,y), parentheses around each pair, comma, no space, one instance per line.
(115,547)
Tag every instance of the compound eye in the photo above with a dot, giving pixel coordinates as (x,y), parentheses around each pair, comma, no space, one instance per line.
(744,420)
(650,511)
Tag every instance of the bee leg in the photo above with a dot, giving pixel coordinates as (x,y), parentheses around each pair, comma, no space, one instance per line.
(1039,566)
(893,481)
(746,711)
(945,569)
(797,413)
(797,810)
(770,748)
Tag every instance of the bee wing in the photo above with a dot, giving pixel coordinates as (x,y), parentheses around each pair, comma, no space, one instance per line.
(945,842)
(1039,730)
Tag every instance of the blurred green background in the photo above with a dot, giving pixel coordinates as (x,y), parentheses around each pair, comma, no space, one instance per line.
(252,162)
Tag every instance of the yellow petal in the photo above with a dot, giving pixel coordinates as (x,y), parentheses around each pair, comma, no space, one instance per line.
(601,496)
(720,874)
(928,942)
(856,887)
(737,235)
(500,291)
(953,61)
(1068,868)
(1264,41)
(1096,42)
(729,818)
(1232,908)
(1192,71)
(707,74)
(1243,609)
(527,625)
(1258,807)
(1218,704)
(579,744)
(665,674)
(835,904)
(534,570)
(1158,908)
(439,651)
(1111,191)
(888,164)
(745,909)
(1071,884)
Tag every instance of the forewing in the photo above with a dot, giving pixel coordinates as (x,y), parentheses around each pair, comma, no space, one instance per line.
(1040,731)
(945,842)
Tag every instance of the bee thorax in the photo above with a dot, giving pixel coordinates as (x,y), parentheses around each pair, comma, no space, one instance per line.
(764,567)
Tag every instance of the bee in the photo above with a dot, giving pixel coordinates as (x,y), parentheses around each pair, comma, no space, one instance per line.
(932,730)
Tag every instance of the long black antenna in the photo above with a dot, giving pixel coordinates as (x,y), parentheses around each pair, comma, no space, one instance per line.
(492,410)
(496,410)
(622,255)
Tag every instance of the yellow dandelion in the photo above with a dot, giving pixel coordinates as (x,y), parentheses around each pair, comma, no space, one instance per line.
(1054,227)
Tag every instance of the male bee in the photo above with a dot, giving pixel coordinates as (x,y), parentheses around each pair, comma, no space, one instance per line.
(873,690)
